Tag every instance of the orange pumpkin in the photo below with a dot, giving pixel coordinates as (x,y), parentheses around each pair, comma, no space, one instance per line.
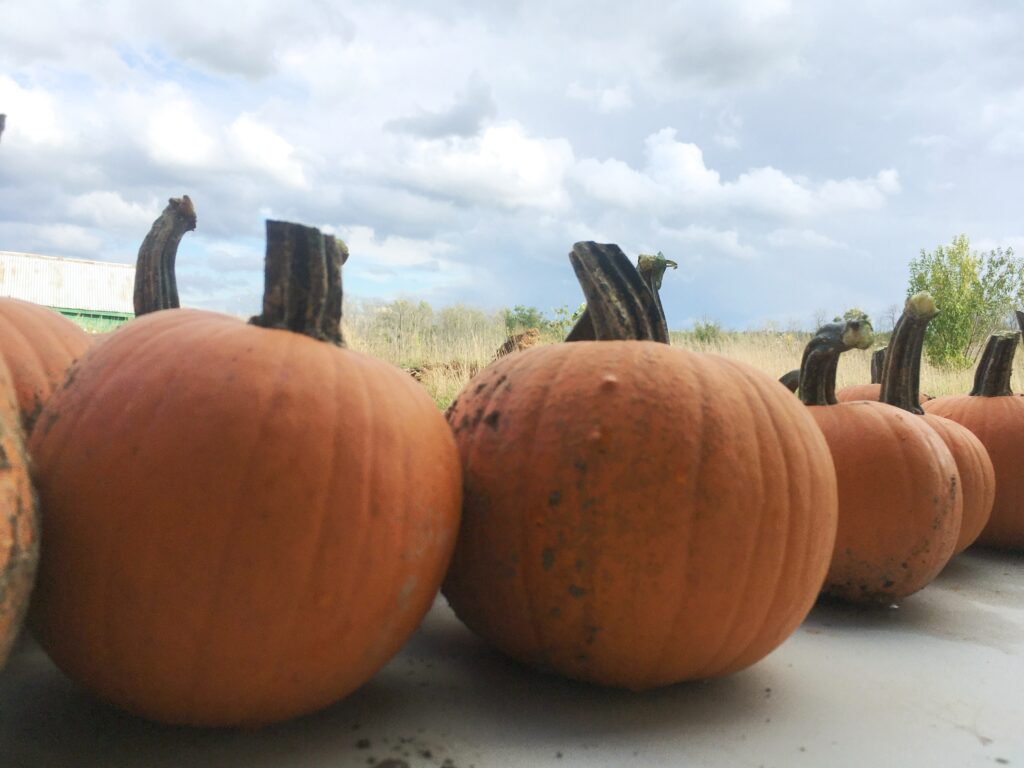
(39,346)
(19,525)
(900,386)
(243,522)
(996,416)
(897,529)
(636,514)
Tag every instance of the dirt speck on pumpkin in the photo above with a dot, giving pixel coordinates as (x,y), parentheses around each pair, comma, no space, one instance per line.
(554,498)
(576,591)
(547,558)
(363,744)
(491,419)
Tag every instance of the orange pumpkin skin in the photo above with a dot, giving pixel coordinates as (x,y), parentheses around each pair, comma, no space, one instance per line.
(998,422)
(242,525)
(900,501)
(977,476)
(866,392)
(635,514)
(19,523)
(39,346)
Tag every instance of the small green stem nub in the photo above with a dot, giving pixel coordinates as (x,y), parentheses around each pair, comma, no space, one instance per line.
(992,378)
(303,282)
(901,372)
(156,287)
(619,303)
(821,357)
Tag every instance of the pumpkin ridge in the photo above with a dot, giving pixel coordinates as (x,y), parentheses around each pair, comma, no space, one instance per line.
(679,613)
(216,596)
(524,540)
(749,548)
(769,607)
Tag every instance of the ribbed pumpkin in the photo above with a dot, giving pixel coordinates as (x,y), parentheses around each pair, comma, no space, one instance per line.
(39,346)
(636,514)
(900,502)
(19,524)
(900,386)
(243,522)
(996,415)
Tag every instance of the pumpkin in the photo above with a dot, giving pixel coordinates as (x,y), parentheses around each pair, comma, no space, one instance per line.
(19,525)
(900,501)
(636,514)
(243,522)
(996,416)
(900,386)
(38,346)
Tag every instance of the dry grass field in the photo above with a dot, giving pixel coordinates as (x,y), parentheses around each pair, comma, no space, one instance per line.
(444,348)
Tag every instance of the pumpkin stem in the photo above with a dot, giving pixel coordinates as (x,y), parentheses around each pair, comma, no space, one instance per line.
(877,364)
(620,306)
(651,270)
(901,372)
(992,378)
(303,282)
(791,380)
(1020,319)
(821,357)
(155,285)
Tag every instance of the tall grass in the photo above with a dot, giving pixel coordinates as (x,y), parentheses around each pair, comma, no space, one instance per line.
(446,347)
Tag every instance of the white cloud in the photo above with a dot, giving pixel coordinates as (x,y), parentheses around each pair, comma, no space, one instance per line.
(109,211)
(604,100)
(257,146)
(802,239)
(31,115)
(724,241)
(502,166)
(675,176)
(176,136)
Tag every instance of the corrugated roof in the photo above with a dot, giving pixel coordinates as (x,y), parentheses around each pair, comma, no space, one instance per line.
(53,281)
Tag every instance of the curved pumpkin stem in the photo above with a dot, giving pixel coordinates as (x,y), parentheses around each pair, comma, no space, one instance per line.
(821,357)
(901,373)
(619,304)
(303,282)
(652,271)
(992,378)
(156,287)
(877,365)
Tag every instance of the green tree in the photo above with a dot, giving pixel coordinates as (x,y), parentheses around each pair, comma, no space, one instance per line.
(975,292)
(519,318)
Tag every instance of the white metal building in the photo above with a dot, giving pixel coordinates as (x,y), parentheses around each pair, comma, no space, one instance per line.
(95,294)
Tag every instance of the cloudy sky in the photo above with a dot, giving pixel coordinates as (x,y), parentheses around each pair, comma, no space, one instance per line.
(791,156)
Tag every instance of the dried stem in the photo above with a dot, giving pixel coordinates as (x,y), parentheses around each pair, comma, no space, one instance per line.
(303,282)
(901,372)
(155,285)
(992,378)
(619,303)
(821,358)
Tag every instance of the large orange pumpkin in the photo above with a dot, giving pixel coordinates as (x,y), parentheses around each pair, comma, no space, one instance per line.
(19,525)
(900,386)
(39,346)
(636,514)
(996,415)
(900,502)
(243,522)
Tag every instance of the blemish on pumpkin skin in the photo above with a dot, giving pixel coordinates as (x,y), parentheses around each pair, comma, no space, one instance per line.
(576,591)
(547,558)
(554,498)
(491,419)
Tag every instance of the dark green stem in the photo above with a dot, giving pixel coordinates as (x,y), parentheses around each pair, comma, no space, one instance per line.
(877,365)
(992,378)
(901,373)
(652,271)
(619,303)
(791,380)
(303,282)
(155,285)
(821,358)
